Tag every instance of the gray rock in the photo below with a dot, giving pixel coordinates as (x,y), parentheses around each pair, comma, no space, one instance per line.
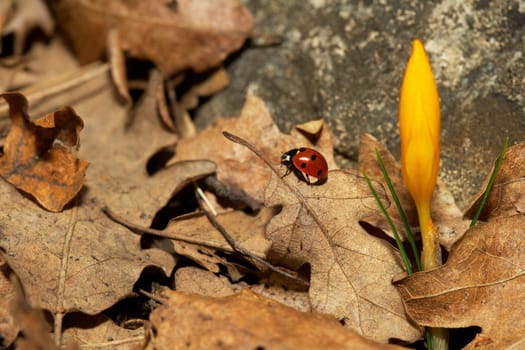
(344,61)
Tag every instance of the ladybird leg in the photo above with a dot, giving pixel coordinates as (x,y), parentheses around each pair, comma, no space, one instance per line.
(300,176)
(288,171)
(307,179)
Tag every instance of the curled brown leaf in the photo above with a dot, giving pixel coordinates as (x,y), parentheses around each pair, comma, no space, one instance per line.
(38,155)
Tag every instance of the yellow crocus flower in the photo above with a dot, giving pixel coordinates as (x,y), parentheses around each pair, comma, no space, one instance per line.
(419,128)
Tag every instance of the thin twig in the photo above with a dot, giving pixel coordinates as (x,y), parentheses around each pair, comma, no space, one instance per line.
(152,296)
(113,343)
(238,249)
(202,196)
(231,242)
(159,233)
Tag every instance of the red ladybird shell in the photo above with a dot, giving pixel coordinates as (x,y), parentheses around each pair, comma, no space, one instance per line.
(306,162)
(311,162)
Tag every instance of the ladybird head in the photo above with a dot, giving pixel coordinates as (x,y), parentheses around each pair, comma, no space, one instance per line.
(286,157)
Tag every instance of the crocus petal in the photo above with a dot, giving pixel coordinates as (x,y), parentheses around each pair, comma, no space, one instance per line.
(419,126)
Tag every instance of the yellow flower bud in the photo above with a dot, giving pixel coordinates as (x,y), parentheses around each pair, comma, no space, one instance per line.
(419,126)
(419,129)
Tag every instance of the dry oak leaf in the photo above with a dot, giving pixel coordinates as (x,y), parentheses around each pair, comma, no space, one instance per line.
(446,215)
(38,157)
(77,260)
(238,166)
(246,321)
(351,271)
(482,284)
(507,196)
(192,34)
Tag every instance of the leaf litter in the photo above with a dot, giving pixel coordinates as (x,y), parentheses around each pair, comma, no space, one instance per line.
(335,246)
(303,245)
(77,263)
(85,262)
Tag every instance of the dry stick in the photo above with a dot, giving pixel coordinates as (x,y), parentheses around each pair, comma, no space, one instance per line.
(227,237)
(200,194)
(140,229)
(153,297)
(238,249)
(114,343)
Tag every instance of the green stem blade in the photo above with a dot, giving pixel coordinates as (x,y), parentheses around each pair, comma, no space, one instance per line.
(491,182)
(400,246)
(401,211)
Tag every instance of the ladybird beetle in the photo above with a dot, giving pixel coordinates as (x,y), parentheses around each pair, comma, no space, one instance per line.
(305,162)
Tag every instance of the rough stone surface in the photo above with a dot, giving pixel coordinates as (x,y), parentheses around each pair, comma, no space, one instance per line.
(344,61)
